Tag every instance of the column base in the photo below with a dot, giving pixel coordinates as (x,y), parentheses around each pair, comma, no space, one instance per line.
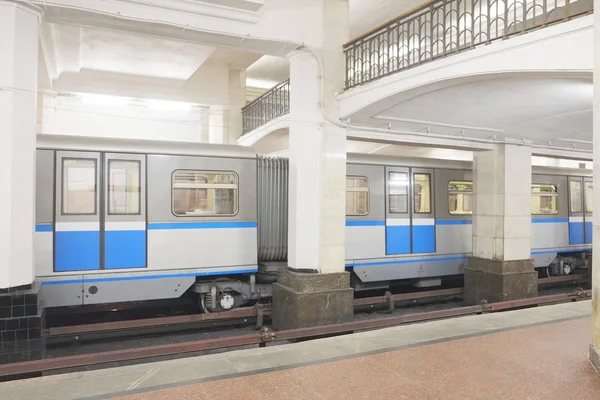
(494,281)
(302,300)
(594,357)
(21,324)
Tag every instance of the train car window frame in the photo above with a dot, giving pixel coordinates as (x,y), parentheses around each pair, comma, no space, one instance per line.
(464,193)
(573,203)
(354,189)
(231,186)
(415,194)
(392,192)
(139,187)
(64,181)
(589,196)
(553,195)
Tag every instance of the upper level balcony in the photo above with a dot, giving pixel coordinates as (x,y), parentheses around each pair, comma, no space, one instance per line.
(441,28)
(432,71)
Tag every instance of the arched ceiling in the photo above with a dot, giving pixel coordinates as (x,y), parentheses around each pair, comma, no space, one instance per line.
(547,110)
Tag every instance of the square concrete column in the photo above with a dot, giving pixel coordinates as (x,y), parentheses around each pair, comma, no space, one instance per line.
(501,267)
(315,289)
(20,317)
(225,121)
(594,353)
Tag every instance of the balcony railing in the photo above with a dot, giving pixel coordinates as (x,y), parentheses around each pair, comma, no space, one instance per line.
(273,104)
(444,27)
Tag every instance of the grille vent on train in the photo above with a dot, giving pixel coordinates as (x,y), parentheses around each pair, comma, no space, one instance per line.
(273,178)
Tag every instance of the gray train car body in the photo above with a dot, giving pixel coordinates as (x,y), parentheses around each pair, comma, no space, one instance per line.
(128,220)
(418,225)
(124,220)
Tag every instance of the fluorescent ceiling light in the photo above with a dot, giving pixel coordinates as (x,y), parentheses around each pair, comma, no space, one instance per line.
(168,105)
(103,100)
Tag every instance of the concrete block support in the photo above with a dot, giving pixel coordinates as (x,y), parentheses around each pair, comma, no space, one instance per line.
(501,267)
(19,24)
(493,280)
(317,189)
(302,300)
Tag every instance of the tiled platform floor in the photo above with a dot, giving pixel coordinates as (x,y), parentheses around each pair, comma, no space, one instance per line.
(538,353)
(541,362)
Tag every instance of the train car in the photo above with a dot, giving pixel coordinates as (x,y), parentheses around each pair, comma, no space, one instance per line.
(130,220)
(411,219)
(127,220)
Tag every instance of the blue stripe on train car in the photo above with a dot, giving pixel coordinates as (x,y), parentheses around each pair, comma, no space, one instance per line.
(454,222)
(397,239)
(549,220)
(423,237)
(125,249)
(588,232)
(576,233)
(364,223)
(77,251)
(202,225)
(44,228)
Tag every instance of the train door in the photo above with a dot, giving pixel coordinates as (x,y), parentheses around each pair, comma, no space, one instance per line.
(77,228)
(576,211)
(588,186)
(100,211)
(410,223)
(125,211)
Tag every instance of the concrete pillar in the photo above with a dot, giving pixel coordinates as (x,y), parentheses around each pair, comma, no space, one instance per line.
(316,289)
(218,124)
(225,121)
(20,317)
(237,100)
(18,86)
(501,267)
(594,353)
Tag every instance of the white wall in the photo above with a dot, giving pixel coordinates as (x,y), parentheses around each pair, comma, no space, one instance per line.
(70,115)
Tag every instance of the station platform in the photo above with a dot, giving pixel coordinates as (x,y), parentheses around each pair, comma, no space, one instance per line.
(536,353)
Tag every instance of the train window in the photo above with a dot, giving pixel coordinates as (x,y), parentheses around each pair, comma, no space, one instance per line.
(398,196)
(422,193)
(123,187)
(544,199)
(78,186)
(357,195)
(460,198)
(589,193)
(202,193)
(575,196)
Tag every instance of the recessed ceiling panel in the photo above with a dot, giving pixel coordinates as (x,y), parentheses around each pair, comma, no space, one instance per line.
(128,53)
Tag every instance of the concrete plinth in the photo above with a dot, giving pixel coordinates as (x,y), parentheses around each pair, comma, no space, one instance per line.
(594,357)
(493,280)
(303,300)
(21,326)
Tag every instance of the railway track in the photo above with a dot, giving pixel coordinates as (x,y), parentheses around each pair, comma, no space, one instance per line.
(264,336)
(247,315)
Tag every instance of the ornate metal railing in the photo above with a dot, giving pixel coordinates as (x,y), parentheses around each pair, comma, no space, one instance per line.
(443,27)
(273,104)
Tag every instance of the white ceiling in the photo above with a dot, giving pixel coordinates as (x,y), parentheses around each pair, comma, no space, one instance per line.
(545,110)
(368,14)
(144,51)
(129,53)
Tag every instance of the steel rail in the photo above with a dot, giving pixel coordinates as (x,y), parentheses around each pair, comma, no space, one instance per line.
(265,336)
(260,310)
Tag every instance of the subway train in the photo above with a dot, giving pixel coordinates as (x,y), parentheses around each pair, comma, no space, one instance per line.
(129,220)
